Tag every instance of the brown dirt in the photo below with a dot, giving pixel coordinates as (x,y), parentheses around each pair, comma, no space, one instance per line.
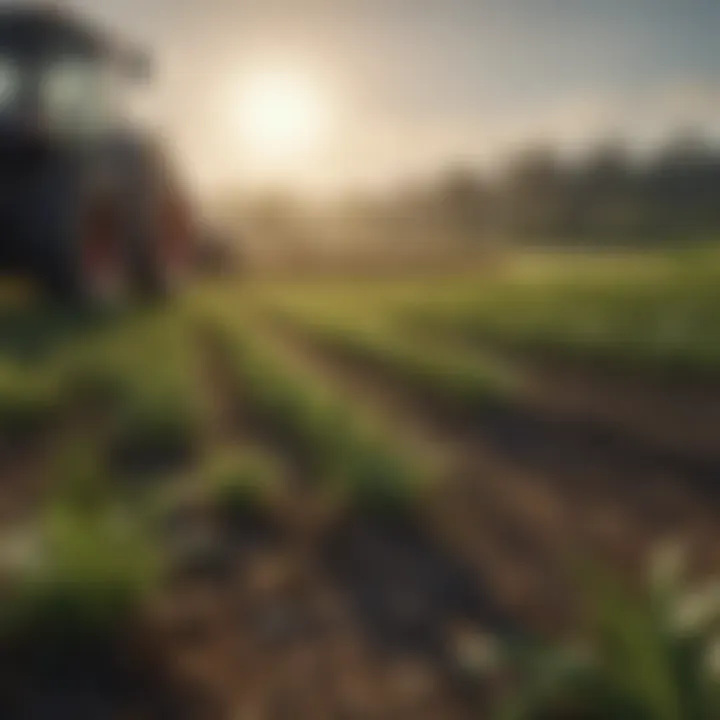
(368,618)
(545,487)
(309,614)
(663,410)
(317,612)
(681,416)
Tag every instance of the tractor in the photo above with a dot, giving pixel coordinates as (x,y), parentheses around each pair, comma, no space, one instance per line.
(91,206)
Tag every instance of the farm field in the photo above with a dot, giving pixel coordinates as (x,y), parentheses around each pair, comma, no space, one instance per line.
(342,499)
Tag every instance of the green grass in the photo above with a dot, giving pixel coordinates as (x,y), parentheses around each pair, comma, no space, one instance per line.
(145,380)
(32,333)
(44,351)
(30,399)
(160,414)
(656,313)
(84,570)
(337,446)
(240,481)
(652,655)
(87,577)
(460,382)
(644,312)
(78,576)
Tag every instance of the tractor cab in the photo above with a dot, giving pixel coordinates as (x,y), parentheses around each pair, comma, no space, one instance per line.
(60,77)
(89,203)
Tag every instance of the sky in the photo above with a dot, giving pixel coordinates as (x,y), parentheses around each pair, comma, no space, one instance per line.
(413,85)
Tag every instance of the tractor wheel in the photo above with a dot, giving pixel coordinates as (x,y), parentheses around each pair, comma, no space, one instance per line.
(167,257)
(90,263)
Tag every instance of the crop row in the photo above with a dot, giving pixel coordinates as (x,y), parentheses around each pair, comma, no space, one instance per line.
(457,381)
(337,446)
(662,321)
(138,375)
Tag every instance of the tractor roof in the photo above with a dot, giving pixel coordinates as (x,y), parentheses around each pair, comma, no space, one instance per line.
(37,28)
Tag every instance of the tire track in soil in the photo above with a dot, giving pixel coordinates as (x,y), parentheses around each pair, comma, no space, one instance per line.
(529,499)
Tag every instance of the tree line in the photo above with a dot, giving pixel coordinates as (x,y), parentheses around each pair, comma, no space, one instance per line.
(610,196)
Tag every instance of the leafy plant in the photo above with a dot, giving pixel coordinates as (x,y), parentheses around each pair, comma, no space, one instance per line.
(157,418)
(28,399)
(161,409)
(77,578)
(451,378)
(239,482)
(338,446)
(650,656)
(656,314)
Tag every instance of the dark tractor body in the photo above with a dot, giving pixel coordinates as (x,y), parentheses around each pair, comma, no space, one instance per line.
(89,205)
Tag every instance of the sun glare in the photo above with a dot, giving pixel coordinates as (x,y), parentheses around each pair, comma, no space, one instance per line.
(283,117)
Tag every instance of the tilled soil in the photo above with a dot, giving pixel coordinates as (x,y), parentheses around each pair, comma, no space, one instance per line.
(562,485)
(363,617)
(324,612)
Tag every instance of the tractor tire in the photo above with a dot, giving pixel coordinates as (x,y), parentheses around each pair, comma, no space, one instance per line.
(165,258)
(82,245)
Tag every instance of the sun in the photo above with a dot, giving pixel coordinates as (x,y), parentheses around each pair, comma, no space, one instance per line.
(283,117)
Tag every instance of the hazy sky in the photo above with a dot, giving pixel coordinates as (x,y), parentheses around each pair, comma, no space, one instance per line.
(417,83)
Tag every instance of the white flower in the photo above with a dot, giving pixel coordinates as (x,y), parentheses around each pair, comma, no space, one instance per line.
(667,566)
(478,653)
(712,659)
(695,610)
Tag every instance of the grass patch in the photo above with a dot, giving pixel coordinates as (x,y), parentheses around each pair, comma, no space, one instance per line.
(84,581)
(451,379)
(643,312)
(653,655)
(143,382)
(656,316)
(338,448)
(241,482)
(29,399)
(78,578)
(158,417)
